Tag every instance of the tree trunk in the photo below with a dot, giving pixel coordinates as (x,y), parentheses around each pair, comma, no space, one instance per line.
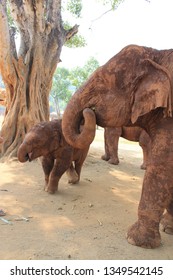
(28,74)
(29,105)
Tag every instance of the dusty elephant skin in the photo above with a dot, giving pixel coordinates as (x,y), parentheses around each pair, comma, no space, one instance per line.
(133,88)
(46,139)
(136,134)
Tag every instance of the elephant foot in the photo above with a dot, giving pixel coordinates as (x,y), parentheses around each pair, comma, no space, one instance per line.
(73,181)
(50,189)
(166,223)
(143,166)
(141,236)
(105,157)
(113,161)
(73,177)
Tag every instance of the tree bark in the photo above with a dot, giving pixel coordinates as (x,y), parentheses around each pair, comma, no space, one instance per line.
(28,73)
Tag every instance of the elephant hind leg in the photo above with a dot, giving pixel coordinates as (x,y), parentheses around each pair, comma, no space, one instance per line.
(72,175)
(111,139)
(111,159)
(114,161)
(143,166)
(166,223)
(105,157)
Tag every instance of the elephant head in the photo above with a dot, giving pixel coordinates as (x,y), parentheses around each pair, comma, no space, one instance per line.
(130,85)
(42,139)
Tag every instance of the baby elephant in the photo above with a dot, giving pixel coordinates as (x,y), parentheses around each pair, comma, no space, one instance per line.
(46,139)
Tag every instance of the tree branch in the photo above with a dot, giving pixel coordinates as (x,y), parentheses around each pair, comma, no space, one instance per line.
(99,17)
(71,32)
(40,10)
(18,12)
(24,25)
(54,11)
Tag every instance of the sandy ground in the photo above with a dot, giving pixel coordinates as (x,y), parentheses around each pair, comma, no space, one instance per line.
(84,221)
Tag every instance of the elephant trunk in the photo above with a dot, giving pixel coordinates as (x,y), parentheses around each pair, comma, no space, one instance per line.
(76,137)
(22,154)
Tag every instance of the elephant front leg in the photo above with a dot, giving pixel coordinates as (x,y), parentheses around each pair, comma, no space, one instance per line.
(106,156)
(154,199)
(47,165)
(54,178)
(55,175)
(166,223)
(61,165)
(111,139)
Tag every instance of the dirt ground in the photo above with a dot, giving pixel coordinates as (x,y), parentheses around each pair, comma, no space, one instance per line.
(84,221)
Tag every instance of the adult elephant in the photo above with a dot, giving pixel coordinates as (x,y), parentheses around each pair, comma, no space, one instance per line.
(136,134)
(133,88)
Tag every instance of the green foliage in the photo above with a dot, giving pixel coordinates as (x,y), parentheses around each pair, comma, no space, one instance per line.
(65,82)
(77,41)
(79,75)
(61,84)
(113,3)
(74,7)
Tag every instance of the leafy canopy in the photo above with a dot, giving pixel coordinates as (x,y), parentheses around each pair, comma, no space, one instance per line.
(66,81)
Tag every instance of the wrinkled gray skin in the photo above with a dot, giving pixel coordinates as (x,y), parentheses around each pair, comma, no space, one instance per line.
(134,88)
(46,140)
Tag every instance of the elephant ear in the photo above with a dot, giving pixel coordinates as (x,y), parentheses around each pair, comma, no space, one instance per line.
(152,90)
(56,139)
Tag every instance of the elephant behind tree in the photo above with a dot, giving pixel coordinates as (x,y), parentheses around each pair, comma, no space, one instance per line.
(136,134)
(46,139)
(134,88)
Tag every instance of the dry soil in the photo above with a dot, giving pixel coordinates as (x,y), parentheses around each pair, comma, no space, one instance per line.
(80,222)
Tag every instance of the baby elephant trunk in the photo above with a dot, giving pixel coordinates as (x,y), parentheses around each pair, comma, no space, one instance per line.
(22,153)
